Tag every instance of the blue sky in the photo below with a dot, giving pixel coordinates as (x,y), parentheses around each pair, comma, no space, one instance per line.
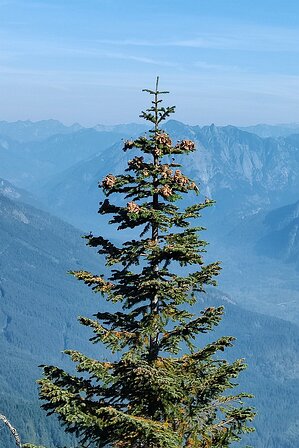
(224,61)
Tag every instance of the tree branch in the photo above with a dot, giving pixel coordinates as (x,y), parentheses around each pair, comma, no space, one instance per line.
(12,430)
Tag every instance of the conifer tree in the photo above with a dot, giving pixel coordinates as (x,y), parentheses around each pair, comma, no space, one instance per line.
(161,388)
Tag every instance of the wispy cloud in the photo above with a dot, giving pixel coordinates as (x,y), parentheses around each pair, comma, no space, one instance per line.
(131,42)
(95,52)
(207,41)
(248,38)
(140,59)
(218,67)
(15,48)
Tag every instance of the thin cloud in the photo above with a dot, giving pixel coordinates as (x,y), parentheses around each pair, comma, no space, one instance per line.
(218,67)
(266,39)
(20,47)
(131,42)
(95,52)
(139,59)
(202,42)
(245,38)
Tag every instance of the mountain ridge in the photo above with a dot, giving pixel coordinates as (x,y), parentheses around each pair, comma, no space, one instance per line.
(241,171)
(27,130)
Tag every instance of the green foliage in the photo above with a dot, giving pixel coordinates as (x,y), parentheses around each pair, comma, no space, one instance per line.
(29,445)
(158,389)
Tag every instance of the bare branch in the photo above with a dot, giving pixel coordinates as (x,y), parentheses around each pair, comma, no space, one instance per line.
(12,430)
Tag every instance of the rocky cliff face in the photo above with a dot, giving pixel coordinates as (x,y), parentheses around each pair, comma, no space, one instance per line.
(237,161)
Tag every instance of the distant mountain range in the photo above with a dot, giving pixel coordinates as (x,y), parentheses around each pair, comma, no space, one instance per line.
(277,130)
(274,234)
(245,174)
(16,194)
(37,131)
(125,129)
(30,164)
(241,171)
(25,131)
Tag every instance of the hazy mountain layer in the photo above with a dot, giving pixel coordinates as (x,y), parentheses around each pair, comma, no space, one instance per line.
(242,171)
(281,239)
(273,234)
(30,164)
(25,131)
(17,194)
(276,130)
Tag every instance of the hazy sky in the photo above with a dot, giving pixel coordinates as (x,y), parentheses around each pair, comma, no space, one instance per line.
(224,61)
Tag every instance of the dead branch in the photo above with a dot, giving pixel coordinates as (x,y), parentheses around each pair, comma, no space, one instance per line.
(12,430)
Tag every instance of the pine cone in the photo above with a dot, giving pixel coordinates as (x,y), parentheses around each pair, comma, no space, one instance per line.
(129,144)
(163,139)
(166,171)
(180,179)
(210,309)
(157,152)
(133,207)
(177,175)
(166,191)
(151,244)
(137,162)
(107,287)
(186,145)
(109,181)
